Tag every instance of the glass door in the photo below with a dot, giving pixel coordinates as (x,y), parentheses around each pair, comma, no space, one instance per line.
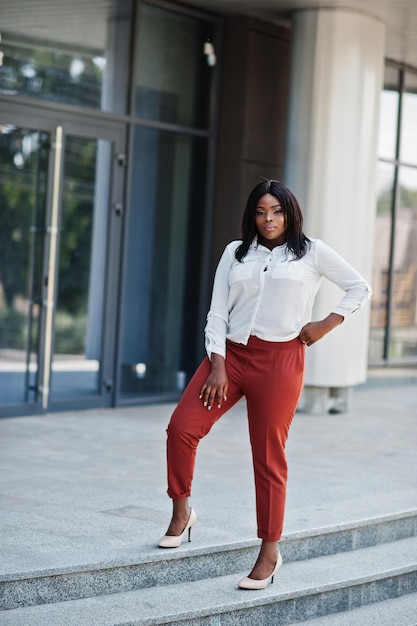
(60,228)
(80,268)
(24,171)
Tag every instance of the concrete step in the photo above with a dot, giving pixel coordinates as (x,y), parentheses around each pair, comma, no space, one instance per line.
(397,612)
(157,567)
(302,590)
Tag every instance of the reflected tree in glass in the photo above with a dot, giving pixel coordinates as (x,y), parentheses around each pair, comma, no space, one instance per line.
(23,166)
(40,71)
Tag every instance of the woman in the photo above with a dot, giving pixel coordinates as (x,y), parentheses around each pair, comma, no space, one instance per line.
(257,331)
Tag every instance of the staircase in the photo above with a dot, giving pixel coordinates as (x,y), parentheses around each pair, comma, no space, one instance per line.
(362,573)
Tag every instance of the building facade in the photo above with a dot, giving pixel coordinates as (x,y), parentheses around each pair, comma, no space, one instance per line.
(130,135)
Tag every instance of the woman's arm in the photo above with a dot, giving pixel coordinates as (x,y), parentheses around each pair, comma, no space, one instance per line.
(357,292)
(215,387)
(336,269)
(313,331)
(218,315)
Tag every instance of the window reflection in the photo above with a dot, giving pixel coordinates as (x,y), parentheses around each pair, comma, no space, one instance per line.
(70,65)
(404,296)
(174,78)
(39,71)
(387,137)
(23,192)
(393,334)
(380,276)
(165,243)
(408,152)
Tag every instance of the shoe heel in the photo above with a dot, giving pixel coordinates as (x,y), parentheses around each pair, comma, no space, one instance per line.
(189,534)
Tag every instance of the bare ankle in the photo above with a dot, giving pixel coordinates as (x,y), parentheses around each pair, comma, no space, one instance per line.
(180,509)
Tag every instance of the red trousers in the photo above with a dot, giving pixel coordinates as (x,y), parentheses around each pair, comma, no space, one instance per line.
(270,376)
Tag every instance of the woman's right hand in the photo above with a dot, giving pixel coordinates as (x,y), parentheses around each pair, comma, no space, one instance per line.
(216,385)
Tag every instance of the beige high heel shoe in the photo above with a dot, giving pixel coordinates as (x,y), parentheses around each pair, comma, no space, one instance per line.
(169,541)
(251,583)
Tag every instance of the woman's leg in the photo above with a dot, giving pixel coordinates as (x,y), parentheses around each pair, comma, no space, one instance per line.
(180,515)
(189,423)
(266,561)
(272,387)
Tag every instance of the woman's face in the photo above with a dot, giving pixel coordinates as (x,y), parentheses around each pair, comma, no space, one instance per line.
(270,221)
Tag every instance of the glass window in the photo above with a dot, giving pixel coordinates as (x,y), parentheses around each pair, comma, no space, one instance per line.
(393,333)
(404,294)
(385,186)
(408,145)
(66,55)
(388,116)
(165,236)
(23,189)
(174,76)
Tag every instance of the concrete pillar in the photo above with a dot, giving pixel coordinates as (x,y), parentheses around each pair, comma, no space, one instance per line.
(336,80)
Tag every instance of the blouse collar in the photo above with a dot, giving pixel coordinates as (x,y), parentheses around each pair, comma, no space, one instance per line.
(255,245)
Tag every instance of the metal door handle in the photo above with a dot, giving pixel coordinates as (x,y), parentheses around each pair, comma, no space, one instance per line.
(52,231)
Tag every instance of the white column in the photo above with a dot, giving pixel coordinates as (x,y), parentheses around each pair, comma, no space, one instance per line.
(336,81)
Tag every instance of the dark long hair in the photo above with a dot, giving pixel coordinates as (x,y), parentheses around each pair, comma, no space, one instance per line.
(297,242)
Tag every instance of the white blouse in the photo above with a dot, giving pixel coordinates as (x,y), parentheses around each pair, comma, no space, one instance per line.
(271,294)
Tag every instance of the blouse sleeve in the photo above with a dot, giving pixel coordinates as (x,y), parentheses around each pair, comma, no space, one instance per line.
(337,270)
(218,315)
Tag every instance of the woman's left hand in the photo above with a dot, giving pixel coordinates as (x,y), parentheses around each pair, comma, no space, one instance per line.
(313,331)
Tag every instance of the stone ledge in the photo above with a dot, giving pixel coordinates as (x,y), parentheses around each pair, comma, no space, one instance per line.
(301,591)
(163,567)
